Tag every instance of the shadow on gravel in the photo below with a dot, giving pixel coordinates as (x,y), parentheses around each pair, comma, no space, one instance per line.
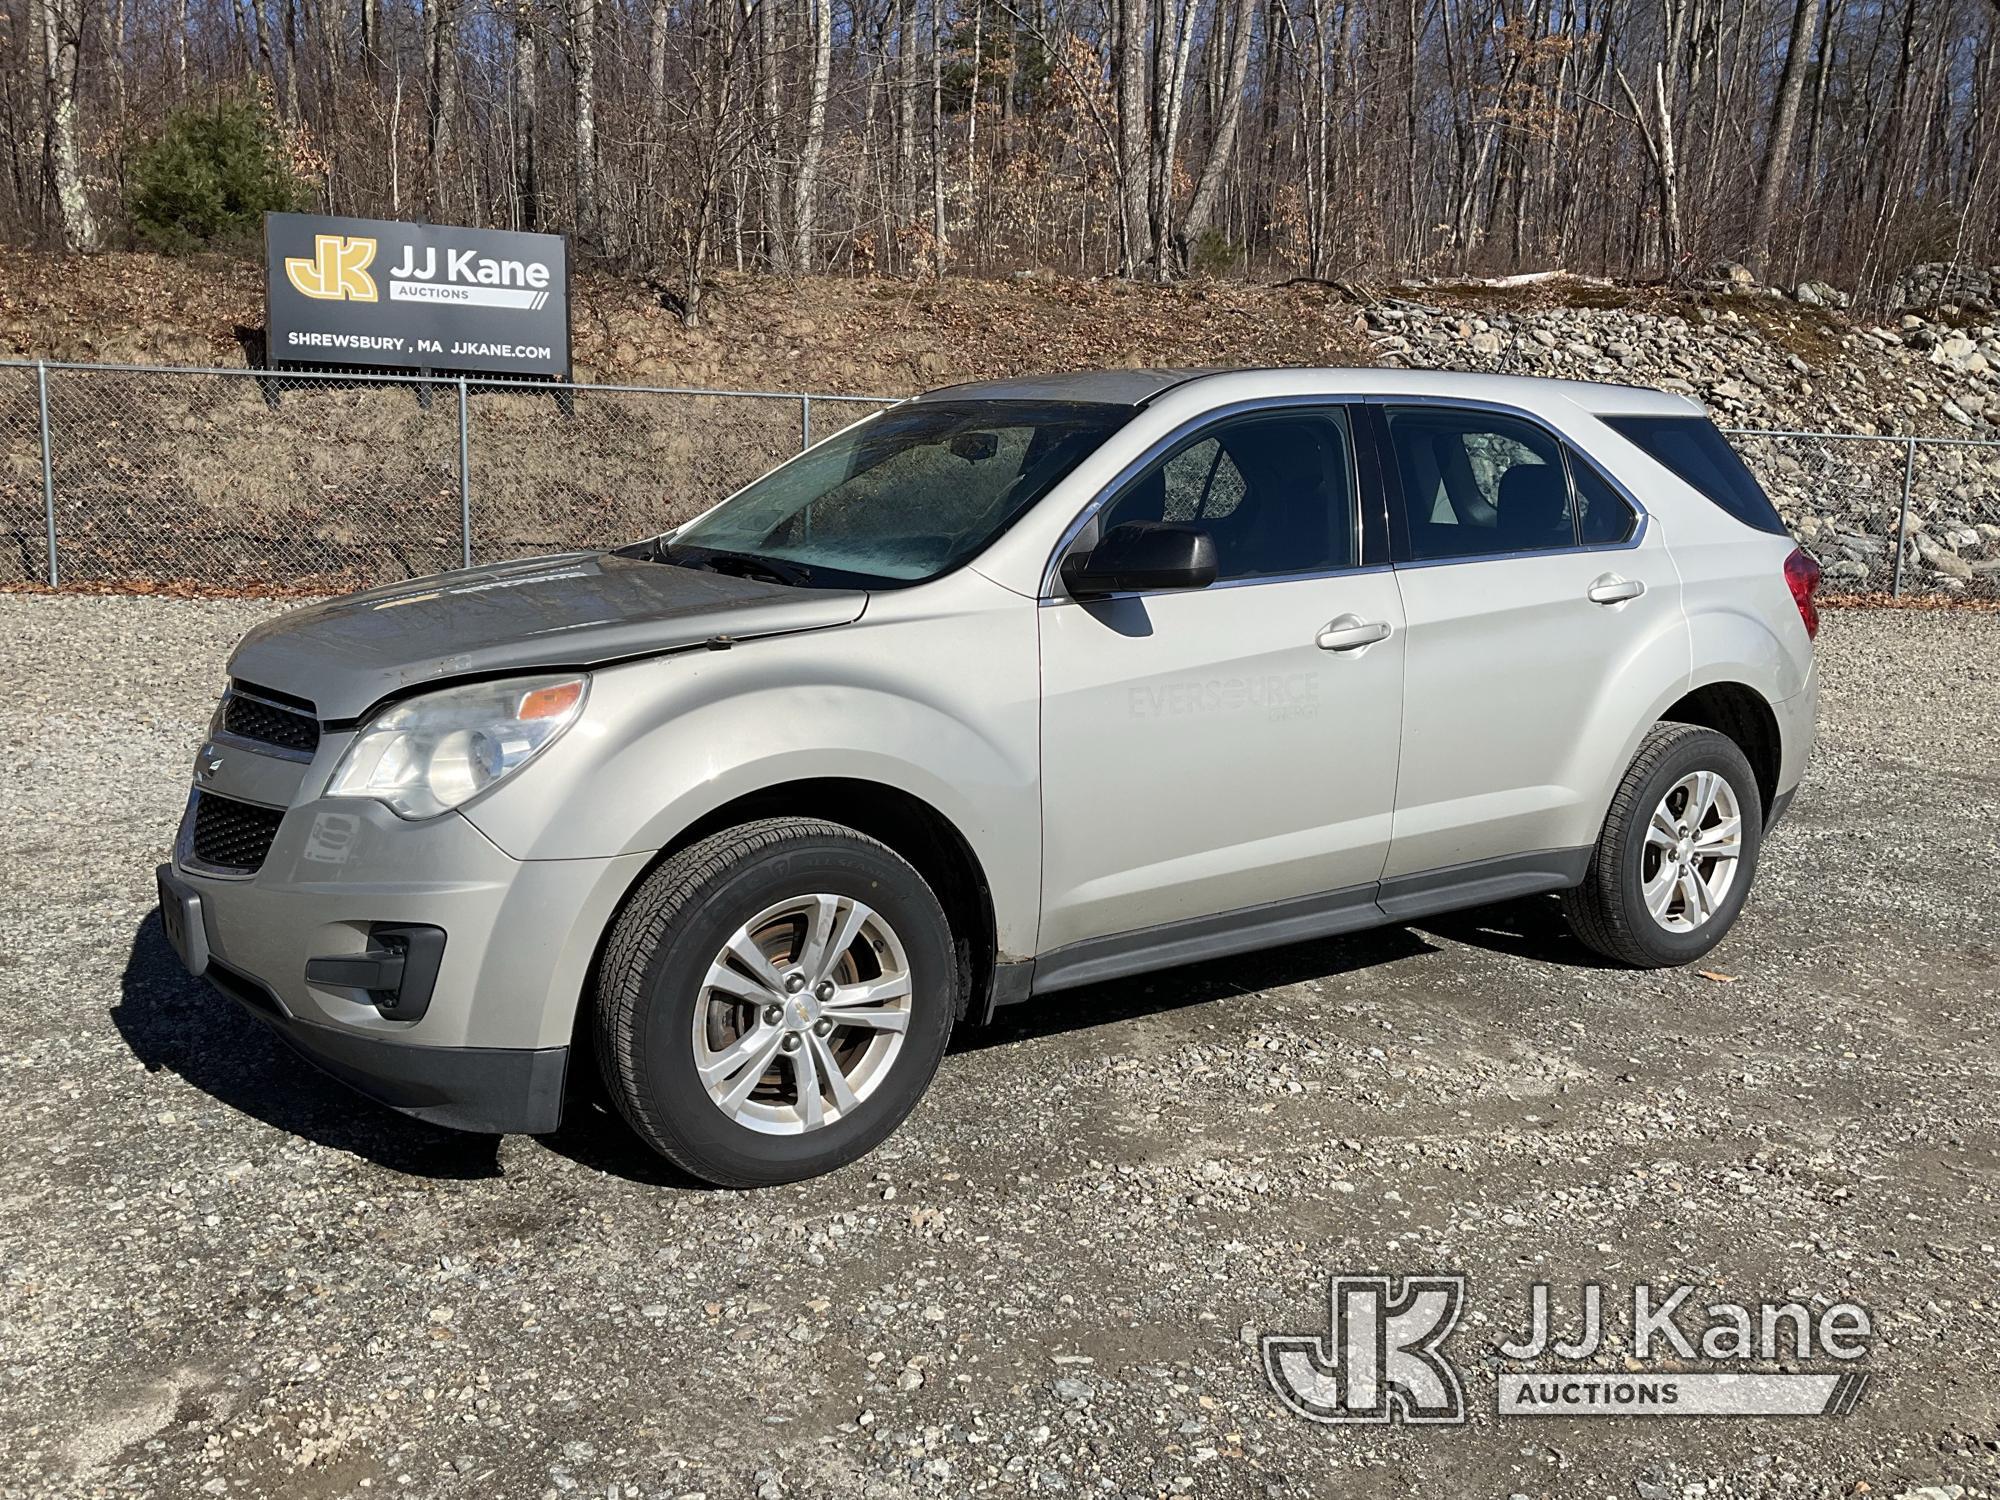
(1194,984)
(593,1136)
(172,1021)
(1531,928)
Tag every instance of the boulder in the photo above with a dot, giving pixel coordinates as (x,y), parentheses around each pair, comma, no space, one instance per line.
(1820,294)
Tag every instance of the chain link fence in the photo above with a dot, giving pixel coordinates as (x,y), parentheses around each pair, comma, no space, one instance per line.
(244,479)
(1897,515)
(152,477)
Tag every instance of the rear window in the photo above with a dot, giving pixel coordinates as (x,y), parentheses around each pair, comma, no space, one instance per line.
(1694,450)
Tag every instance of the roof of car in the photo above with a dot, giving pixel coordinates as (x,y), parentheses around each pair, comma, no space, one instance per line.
(1137,387)
(1122,387)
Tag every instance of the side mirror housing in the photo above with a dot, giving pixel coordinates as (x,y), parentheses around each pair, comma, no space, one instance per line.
(1142,556)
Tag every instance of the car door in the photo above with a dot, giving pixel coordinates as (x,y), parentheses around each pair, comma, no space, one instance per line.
(1532,589)
(1214,750)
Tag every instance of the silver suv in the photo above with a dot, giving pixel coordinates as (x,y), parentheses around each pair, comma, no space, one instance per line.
(1009,689)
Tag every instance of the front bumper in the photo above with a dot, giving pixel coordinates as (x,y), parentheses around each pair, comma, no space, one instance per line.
(489,1049)
(496,1090)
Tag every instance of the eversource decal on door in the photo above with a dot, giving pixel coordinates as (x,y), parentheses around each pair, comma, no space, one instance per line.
(426,297)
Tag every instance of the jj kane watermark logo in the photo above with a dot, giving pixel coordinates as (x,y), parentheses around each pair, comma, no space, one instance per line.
(1383,1357)
(337,271)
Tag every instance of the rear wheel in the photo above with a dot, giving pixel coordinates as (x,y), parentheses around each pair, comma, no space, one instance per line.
(1673,866)
(774,1000)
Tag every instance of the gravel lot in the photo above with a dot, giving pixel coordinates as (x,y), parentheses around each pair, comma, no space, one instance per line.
(224,1275)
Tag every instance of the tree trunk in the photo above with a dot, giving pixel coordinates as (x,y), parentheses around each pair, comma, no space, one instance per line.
(62,39)
(906,112)
(940,229)
(527,106)
(1784,119)
(1135,167)
(806,204)
(777,245)
(1221,155)
(583,76)
(972,205)
(289,27)
(1669,172)
(441,101)
(1176,39)
(114,56)
(656,69)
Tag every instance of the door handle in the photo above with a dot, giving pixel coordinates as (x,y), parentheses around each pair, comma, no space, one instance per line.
(1609,588)
(1351,633)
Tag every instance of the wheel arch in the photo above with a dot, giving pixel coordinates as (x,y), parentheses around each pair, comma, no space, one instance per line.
(892,815)
(1742,714)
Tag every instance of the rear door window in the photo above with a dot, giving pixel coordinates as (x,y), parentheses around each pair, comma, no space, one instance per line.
(1604,517)
(1478,484)
(1701,455)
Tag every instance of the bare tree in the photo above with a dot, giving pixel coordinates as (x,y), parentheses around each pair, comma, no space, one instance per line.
(1319,137)
(583,80)
(1129,70)
(527,109)
(1784,121)
(1222,151)
(806,203)
(440,98)
(940,228)
(62,39)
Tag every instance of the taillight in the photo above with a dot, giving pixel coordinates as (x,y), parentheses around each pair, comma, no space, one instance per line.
(1802,578)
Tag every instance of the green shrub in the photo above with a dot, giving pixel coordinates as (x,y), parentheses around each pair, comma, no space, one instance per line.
(212,175)
(1213,255)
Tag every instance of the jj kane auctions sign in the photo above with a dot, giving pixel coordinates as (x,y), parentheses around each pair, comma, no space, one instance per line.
(415,296)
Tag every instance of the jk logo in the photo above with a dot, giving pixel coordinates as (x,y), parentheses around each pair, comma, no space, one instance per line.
(1379,1361)
(338,271)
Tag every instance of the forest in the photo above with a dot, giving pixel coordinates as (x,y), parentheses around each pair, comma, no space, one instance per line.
(1147,139)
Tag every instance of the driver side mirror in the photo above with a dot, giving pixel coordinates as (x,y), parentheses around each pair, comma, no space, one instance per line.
(1142,556)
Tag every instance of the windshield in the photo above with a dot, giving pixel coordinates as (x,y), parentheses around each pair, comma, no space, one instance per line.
(899,498)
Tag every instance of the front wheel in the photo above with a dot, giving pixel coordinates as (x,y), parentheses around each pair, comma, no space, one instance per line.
(774,1000)
(1673,866)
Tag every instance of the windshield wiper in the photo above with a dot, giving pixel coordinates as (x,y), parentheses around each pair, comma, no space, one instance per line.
(737,564)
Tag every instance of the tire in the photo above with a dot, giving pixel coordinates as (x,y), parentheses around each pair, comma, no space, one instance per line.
(1611,911)
(660,971)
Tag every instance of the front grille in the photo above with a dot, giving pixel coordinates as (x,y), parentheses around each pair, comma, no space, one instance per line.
(268,723)
(232,835)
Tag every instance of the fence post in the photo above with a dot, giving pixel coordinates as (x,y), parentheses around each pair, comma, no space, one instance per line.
(805,422)
(1903,516)
(48,469)
(464,478)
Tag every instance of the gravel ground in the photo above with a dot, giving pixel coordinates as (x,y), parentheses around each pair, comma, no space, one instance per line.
(224,1275)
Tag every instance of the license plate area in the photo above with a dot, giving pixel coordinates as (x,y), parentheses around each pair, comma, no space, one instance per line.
(181,921)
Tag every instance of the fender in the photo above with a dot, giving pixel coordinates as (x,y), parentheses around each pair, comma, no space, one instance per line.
(946,710)
(1731,645)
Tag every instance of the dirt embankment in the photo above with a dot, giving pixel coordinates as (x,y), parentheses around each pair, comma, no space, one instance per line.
(1756,357)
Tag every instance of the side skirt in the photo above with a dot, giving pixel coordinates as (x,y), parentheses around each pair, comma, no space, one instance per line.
(1403,899)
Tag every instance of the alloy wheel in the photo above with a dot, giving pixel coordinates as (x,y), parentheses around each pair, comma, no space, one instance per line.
(802,1014)
(1694,845)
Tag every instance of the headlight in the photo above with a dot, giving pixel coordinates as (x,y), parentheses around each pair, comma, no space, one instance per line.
(427,755)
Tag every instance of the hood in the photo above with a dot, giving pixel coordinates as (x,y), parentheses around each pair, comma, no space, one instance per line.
(580,609)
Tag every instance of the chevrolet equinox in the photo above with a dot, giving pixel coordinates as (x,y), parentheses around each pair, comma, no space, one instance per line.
(1007,689)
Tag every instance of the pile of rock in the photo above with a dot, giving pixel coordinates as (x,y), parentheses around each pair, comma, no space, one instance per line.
(1756,366)
(1940,284)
